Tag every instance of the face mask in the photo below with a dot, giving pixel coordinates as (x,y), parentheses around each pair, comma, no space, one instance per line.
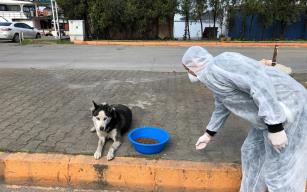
(192,78)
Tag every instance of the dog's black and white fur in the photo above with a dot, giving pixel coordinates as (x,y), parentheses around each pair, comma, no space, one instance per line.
(110,121)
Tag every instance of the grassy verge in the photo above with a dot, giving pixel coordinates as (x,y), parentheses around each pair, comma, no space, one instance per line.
(44,42)
(206,40)
(237,41)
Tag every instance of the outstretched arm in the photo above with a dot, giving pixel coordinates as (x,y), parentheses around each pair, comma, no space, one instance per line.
(217,121)
(218,117)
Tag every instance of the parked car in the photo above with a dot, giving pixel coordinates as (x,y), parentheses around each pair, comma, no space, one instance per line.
(12,31)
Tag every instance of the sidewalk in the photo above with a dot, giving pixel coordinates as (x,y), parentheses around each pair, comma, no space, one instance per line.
(193,43)
(47,111)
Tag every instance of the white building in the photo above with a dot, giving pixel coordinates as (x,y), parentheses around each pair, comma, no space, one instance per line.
(19,11)
(41,14)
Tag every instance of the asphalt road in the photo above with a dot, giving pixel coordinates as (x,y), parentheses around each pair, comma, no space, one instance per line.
(127,57)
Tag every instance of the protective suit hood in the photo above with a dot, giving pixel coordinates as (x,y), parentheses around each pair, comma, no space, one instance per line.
(196,59)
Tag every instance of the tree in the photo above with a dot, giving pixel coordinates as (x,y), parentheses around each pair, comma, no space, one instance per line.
(249,8)
(285,12)
(303,6)
(185,10)
(219,8)
(265,16)
(198,11)
(224,8)
(73,9)
(269,12)
(76,9)
(122,19)
(216,9)
(168,9)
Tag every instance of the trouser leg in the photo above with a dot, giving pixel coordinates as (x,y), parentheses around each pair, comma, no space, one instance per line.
(252,156)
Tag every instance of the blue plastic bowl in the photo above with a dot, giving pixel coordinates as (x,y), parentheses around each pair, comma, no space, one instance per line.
(148,132)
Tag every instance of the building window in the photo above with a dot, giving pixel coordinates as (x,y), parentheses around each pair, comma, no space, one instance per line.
(28,8)
(13,8)
(3,7)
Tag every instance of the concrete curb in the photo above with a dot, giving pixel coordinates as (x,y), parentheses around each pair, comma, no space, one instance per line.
(85,171)
(191,43)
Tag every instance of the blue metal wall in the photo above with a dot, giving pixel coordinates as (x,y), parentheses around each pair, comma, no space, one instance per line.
(297,30)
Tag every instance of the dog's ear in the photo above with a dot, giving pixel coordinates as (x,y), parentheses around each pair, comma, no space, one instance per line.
(95,105)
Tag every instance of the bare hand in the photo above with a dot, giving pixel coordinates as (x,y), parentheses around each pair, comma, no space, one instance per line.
(266,62)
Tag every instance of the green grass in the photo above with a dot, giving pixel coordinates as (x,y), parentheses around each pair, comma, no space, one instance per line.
(44,42)
(235,40)
(266,41)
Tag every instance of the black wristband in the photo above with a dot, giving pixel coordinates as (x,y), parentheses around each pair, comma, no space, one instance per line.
(211,133)
(275,128)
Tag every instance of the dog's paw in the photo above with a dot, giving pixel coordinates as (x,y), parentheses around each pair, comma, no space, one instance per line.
(110,156)
(93,129)
(97,155)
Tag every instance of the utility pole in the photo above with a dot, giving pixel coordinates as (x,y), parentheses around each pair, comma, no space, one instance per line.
(54,24)
(57,18)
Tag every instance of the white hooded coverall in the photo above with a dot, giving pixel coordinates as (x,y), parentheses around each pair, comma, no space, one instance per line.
(262,95)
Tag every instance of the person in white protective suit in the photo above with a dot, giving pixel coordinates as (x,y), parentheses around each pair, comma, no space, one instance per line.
(274,154)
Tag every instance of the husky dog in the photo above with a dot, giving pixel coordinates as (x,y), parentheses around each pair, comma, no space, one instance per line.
(110,121)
